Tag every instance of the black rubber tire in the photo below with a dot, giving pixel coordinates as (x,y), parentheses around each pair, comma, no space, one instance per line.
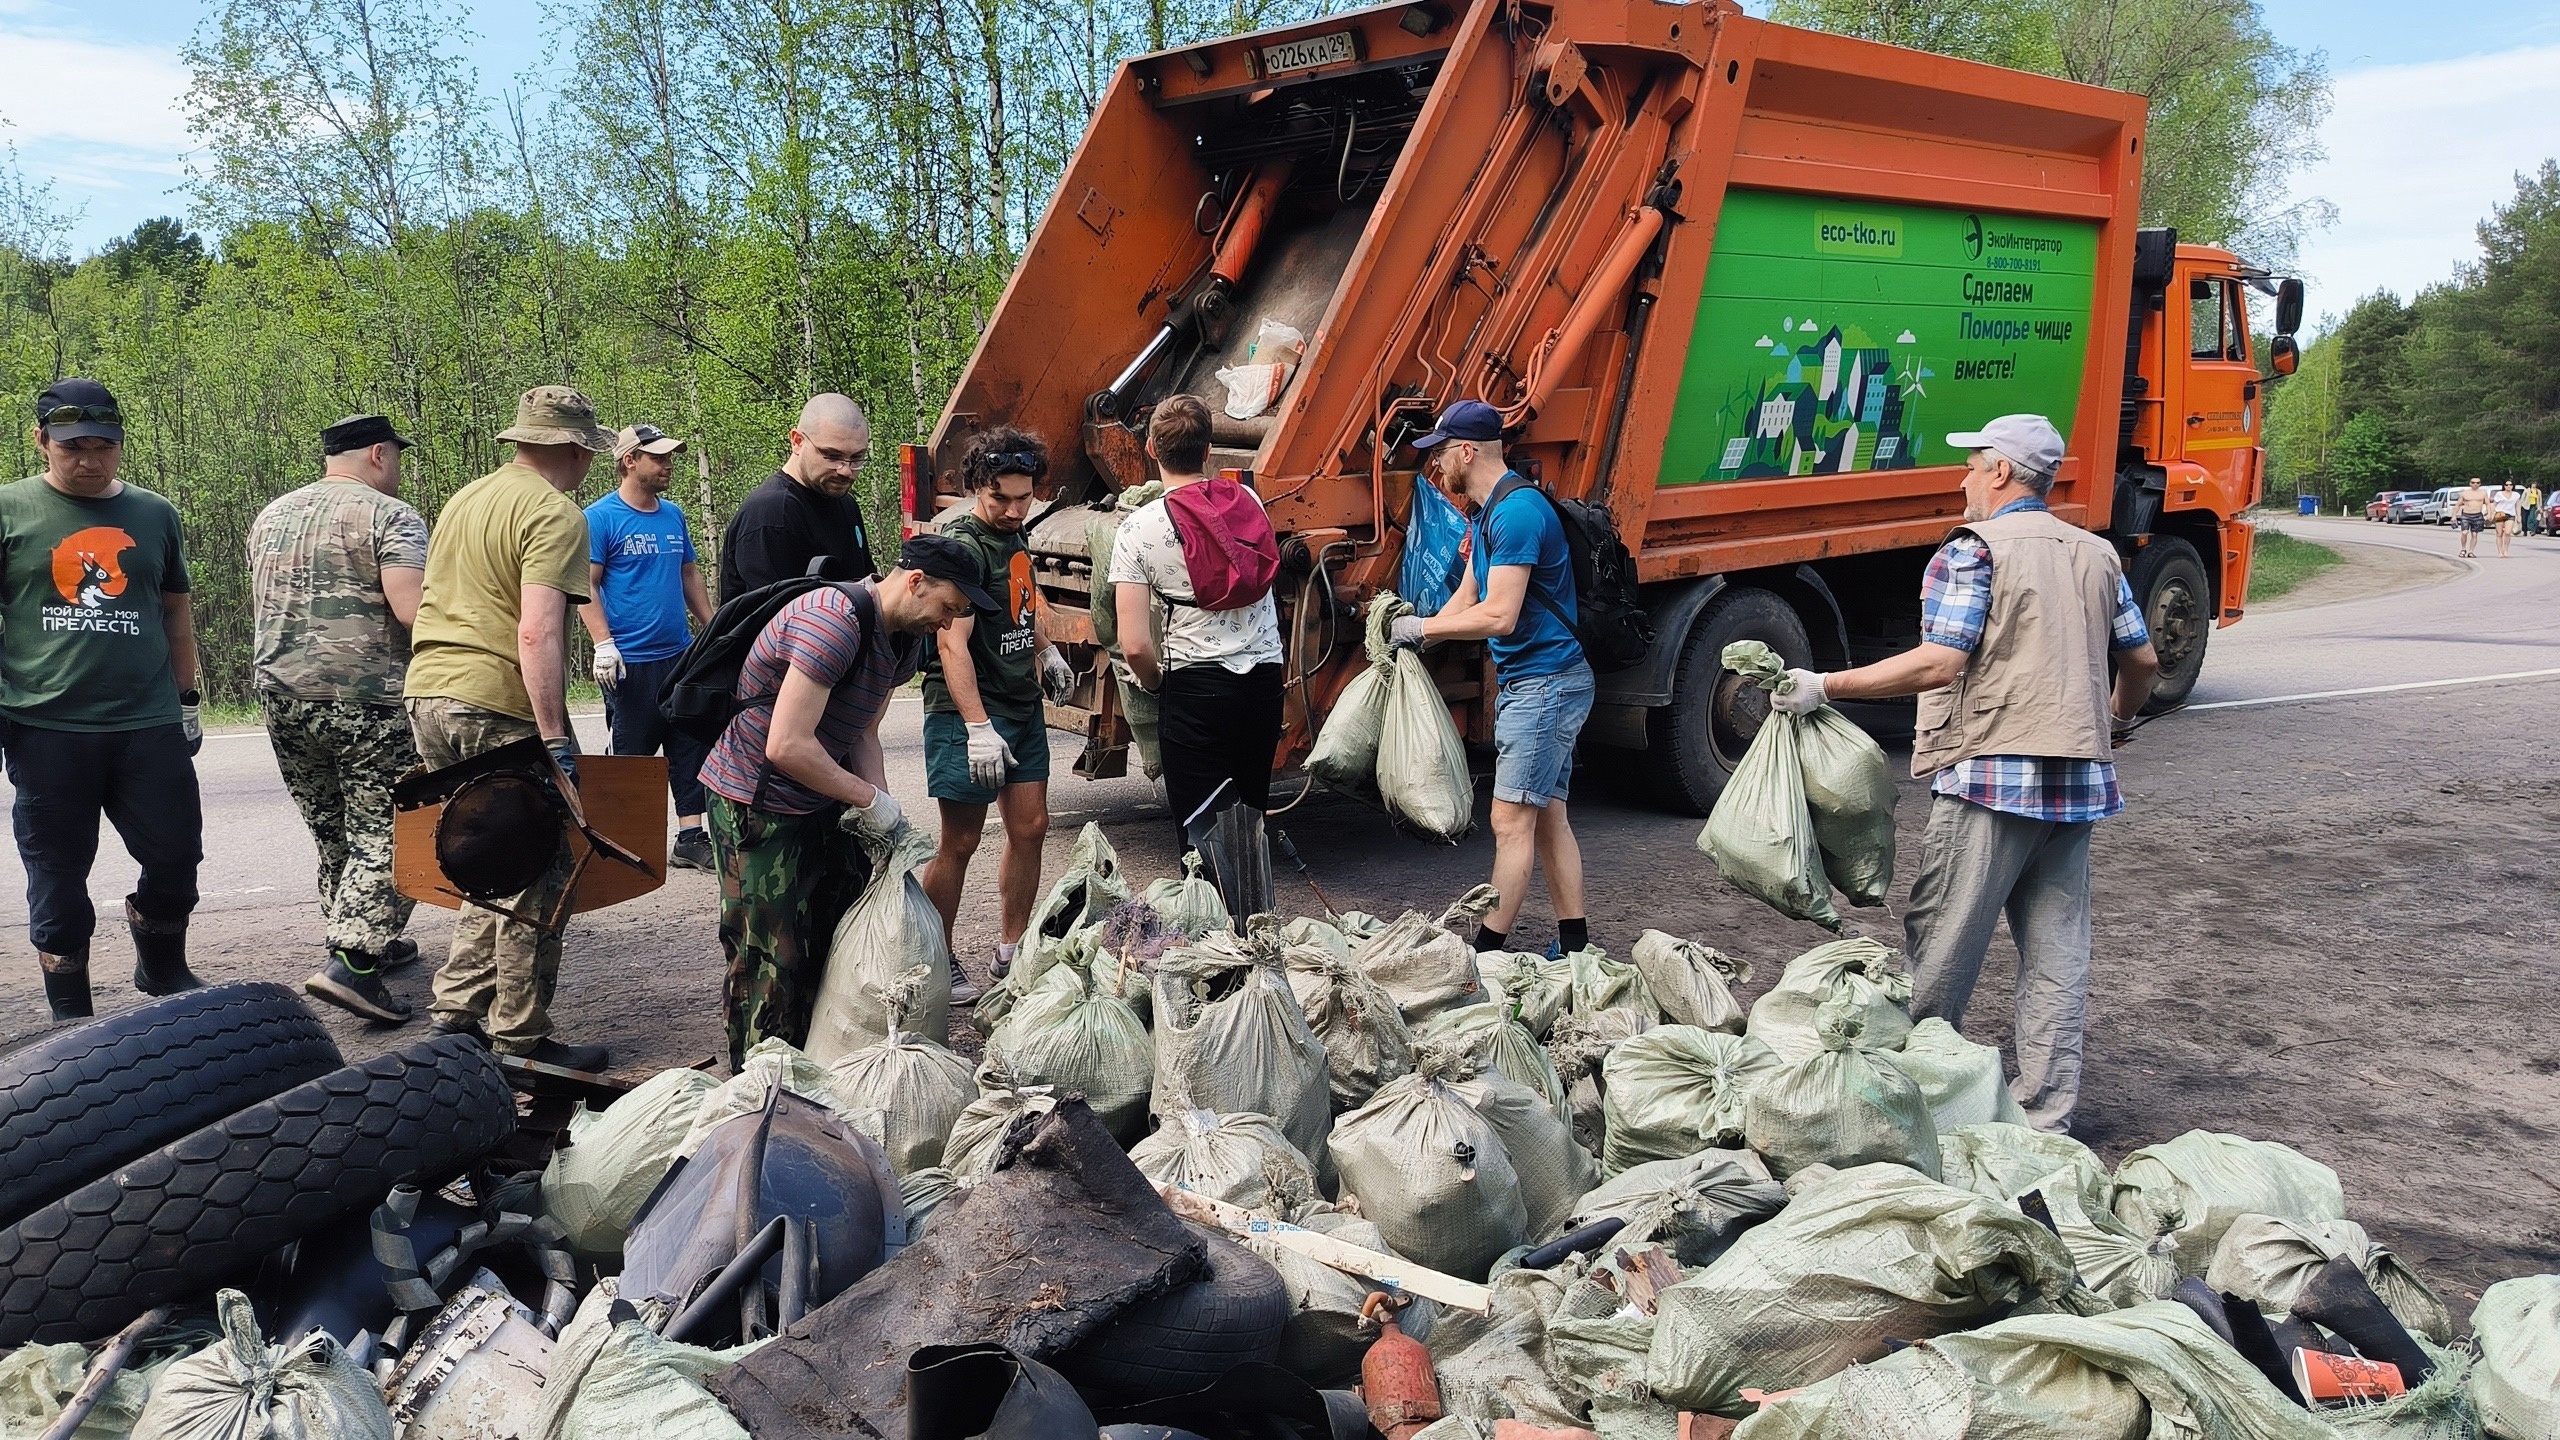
(2168,581)
(86,1098)
(1693,743)
(205,1209)
(1185,1341)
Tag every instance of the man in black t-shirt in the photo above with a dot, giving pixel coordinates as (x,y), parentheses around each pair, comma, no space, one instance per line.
(807,509)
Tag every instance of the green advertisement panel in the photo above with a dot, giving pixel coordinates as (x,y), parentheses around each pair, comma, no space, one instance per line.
(1838,335)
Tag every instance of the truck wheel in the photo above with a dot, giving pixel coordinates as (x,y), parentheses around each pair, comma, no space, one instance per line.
(1693,743)
(2168,581)
(83,1099)
(207,1207)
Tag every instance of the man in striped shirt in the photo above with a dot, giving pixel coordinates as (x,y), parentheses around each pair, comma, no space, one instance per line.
(2020,616)
(798,779)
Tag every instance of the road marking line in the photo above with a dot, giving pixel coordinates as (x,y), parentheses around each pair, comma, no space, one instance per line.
(2376,690)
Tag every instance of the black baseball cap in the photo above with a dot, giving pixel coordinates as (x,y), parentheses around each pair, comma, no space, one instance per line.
(361,432)
(79,410)
(1465,420)
(943,558)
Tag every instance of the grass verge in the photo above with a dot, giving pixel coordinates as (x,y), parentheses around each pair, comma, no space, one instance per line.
(2283,562)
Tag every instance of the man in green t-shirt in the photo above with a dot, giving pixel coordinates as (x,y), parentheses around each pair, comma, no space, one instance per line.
(98,696)
(489,668)
(985,739)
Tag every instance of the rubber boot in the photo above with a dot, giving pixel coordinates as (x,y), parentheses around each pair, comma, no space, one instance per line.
(2337,1297)
(159,954)
(2256,1343)
(2199,1297)
(66,984)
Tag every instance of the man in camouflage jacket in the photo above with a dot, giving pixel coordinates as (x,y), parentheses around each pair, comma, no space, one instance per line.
(338,566)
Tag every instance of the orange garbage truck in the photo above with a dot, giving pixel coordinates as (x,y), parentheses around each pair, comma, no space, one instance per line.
(1731,280)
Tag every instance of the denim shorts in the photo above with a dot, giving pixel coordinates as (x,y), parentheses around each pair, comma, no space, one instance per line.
(946,756)
(1536,720)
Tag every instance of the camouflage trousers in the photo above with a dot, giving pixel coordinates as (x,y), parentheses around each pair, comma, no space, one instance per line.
(785,880)
(340,759)
(501,972)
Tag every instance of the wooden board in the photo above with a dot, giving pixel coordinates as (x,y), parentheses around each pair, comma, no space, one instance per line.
(626,801)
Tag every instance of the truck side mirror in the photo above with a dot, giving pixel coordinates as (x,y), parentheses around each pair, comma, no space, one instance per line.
(2283,356)
(2288,307)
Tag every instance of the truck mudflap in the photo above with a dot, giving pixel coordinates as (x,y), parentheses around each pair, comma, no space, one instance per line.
(2239,552)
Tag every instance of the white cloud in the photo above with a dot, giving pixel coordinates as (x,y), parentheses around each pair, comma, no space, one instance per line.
(64,90)
(2418,156)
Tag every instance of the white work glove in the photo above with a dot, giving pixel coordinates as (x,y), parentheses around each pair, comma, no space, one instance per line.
(1406,631)
(1057,677)
(1799,694)
(989,756)
(191,720)
(609,666)
(879,822)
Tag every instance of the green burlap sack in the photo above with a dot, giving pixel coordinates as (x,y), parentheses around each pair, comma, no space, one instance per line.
(2517,1382)
(1692,982)
(770,1062)
(1555,1172)
(912,1085)
(1499,1367)
(1848,783)
(2267,1258)
(37,1383)
(1241,1159)
(1490,1038)
(1673,1091)
(616,1156)
(1427,964)
(1533,988)
(246,1389)
(1599,983)
(1961,1081)
(1190,904)
(1694,1207)
(2151,1373)
(1070,1034)
(1578,1047)
(888,932)
(1346,749)
(2124,1268)
(923,1193)
(2200,1182)
(1862,969)
(1432,1172)
(1325,1339)
(970,1153)
(1761,834)
(622,1381)
(1422,761)
(2440,1407)
(1365,1040)
(1845,1105)
(2005,1160)
(1231,1038)
(1867,1255)
(1323,934)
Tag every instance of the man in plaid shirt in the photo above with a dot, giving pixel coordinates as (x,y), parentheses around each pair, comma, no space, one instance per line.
(2020,617)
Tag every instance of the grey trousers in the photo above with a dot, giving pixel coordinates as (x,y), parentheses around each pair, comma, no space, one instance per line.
(1977,863)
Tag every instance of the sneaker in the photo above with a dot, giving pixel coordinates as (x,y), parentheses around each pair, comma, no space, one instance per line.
(591,1059)
(398,953)
(1004,961)
(964,991)
(692,852)
(358,992)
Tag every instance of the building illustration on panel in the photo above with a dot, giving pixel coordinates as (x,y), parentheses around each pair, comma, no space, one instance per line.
(1829,405)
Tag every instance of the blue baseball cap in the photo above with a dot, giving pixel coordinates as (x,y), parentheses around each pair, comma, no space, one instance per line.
(1465,420)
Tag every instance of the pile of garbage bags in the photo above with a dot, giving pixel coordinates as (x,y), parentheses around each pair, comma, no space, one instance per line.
(1338,1176)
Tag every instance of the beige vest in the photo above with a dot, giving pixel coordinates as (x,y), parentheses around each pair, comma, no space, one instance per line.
(2037,684)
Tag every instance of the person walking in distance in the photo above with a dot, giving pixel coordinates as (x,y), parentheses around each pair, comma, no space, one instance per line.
(2020,616)
(986,740)
(2533,509)
(2471,510)
(1516,593)
(489,668)
(336,568)
(1218,677)
(798,780)
(2509,503)
(807,510)
(645,582)
(98,705)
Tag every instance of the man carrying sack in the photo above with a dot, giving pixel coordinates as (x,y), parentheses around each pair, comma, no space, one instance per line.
(2020,614)
(490,667)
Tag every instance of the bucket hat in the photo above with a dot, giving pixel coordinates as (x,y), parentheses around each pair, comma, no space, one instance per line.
(557,415)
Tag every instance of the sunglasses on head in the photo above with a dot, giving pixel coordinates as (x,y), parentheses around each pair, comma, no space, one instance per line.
(76,414)
(1015,462)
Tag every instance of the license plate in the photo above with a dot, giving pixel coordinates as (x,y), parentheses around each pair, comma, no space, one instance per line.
(1335,49)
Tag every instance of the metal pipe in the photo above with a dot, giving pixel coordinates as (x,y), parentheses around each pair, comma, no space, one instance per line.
(737,1273)
(1564,343)
(1253,216)
(799,1247)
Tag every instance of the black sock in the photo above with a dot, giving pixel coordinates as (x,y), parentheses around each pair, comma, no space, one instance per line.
(1572,935)
(1489,939)
(689,831)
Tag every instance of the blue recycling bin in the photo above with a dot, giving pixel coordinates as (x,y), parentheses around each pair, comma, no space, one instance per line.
(2310,504)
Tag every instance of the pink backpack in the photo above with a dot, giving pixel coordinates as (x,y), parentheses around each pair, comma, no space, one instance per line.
(1227,543)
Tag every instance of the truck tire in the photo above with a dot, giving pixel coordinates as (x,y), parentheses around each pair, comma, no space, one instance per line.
(2168,581)
(82,1099)
(1185,1340)
(207,1207)
(1693,743)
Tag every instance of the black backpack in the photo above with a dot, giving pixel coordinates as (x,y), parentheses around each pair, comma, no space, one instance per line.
(1614,629)
(702,696)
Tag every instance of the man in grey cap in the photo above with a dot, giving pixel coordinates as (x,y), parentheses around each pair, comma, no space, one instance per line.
(490,668)
(336,567)
(647,584)
(2020,615)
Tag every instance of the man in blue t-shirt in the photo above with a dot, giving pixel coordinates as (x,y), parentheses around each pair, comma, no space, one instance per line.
(641,567)
(1515,592)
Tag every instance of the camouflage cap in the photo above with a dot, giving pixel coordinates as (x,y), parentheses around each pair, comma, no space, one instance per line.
(557,415)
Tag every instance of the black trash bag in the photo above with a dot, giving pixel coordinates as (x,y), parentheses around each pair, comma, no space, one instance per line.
(956,1392)
(1254,1401)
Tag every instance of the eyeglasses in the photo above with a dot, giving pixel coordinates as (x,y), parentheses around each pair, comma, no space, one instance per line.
(75,414)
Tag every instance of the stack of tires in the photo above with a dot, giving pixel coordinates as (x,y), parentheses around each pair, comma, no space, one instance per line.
(150,1156)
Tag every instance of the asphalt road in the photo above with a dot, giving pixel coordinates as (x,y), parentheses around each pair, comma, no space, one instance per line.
(2324,921)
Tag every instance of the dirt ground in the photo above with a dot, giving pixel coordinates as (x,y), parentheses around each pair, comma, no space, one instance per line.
(2327,924)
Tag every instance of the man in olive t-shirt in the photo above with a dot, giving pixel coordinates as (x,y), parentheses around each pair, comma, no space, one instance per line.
(489,668)
(98,697)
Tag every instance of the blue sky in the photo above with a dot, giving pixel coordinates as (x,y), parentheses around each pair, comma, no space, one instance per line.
(2437,106)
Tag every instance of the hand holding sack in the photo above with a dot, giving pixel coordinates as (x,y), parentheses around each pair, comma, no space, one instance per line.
(1829,823)
(890,931)
(1390,735)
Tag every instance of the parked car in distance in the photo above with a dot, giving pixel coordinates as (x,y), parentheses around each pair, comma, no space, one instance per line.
(2443,500)
(2379,507)
(2415,506)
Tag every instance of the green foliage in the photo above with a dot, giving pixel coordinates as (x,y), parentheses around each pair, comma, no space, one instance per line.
(2362,460)
(2282,563)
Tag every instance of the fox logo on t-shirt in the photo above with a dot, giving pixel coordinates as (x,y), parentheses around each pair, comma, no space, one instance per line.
(87,566)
